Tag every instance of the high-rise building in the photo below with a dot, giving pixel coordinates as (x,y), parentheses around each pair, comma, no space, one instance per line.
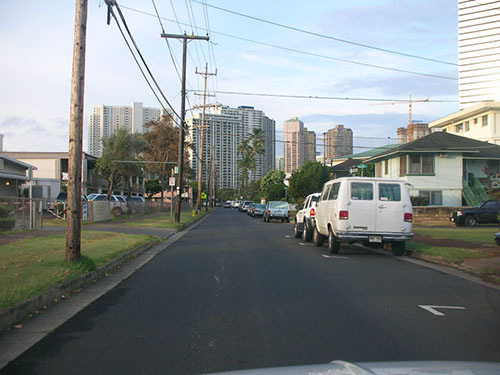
(225,129)
(299,145)
(414,131)
(338,142)
(104,120)
(478,51)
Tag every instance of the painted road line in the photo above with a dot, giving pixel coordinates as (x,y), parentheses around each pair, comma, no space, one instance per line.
(333,256)
(432,309)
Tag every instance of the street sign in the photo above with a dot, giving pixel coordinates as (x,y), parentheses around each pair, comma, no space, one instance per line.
(353,170)
(176,170)
(203,195)
(362,166)
(171,181)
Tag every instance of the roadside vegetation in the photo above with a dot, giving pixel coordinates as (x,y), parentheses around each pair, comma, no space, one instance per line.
(32,266)
(470,249)
(163,221)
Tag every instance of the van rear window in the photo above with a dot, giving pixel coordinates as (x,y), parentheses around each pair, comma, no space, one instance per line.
(361,191)
(389,192)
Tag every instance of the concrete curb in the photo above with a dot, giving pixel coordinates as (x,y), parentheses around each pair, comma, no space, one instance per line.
(11,316)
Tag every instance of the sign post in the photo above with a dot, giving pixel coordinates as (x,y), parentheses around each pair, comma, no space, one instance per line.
(171,183)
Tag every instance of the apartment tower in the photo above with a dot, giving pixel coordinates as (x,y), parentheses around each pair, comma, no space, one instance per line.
(338,142)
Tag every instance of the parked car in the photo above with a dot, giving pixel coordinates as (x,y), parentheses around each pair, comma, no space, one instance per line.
(258,209)
(484,213)
(276,210)
(373,211)
(304,223)
(227,204)
(244,206)
(63,197)
(136,198)
(118,203)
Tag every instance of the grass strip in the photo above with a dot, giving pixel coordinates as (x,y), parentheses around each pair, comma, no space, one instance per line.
(451,254)
(483,236)
(33,266)
(163,221)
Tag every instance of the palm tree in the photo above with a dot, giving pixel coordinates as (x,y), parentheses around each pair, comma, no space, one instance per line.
(258,146)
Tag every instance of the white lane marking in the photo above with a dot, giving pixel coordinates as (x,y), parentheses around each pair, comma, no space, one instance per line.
(288,236)
(301,243)
(333,256)
(432,309)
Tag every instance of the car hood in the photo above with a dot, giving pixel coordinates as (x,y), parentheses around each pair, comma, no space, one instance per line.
(380,368)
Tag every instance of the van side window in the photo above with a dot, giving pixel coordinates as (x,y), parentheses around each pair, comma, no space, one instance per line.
(389,192)
(334,191)
(324,195)
(361,191)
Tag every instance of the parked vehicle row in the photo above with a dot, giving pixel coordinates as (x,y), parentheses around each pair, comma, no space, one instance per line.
(372,211)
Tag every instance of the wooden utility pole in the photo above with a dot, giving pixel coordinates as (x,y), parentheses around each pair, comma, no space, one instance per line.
(180,161)
(74,200)
(202,135)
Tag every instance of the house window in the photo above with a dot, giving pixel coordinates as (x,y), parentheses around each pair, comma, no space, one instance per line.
(466,125)
(484,120)
(386,167)
(459,128)
(435,197)
(476,121)
(402,165)
(421,164)
(492,166)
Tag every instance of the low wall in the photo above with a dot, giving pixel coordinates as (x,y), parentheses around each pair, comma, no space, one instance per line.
(434,215)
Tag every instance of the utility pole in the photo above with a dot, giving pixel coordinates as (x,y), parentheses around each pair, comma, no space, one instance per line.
(201,149)
(185,38)
(74,200)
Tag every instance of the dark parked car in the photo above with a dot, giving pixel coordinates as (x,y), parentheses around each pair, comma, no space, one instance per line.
(483,213)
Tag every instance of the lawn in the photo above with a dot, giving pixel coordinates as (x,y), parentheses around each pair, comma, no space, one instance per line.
(163,221)
(32,266)
(451,254)
(482,236)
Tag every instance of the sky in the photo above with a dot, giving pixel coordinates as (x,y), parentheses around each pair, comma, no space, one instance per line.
(249,56)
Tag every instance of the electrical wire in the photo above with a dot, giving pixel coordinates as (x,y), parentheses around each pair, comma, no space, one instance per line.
(309,53)
(323,35)
(110,4)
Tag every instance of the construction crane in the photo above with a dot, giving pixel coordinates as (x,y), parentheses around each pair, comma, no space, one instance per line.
(410,103)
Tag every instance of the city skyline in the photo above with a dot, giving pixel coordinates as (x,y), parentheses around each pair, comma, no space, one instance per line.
(35,97)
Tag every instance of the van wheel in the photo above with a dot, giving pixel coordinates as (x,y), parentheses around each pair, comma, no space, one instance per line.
(333,244)
(296,232)
(318,238)
(307,233)
(398,248)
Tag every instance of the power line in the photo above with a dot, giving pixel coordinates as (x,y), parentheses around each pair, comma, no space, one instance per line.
(307,53)
(324,97)
(325,36)
(110,7)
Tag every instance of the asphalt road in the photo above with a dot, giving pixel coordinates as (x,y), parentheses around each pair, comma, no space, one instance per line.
(238,293)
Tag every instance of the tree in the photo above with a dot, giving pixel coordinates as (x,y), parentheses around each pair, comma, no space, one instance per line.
(227,194)
(162,137)
(118,147)
(245,163)
(272,185)
(308,179)
(153,186)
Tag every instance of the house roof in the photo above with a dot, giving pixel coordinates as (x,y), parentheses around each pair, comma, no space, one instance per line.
(17,162)
(441,142)
(369,153)
(346,165)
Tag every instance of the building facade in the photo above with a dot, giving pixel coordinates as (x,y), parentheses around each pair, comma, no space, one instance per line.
(225,128)
(414,131)
(309,145)
(104,120)
(338,142)
(478,50)
(293,144)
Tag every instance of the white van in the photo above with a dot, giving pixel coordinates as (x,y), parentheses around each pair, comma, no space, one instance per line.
(374,211)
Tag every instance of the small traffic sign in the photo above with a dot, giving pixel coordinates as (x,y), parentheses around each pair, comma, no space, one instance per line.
(171,181)
(203,195)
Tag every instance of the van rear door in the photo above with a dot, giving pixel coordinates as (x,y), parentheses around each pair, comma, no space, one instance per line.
(361,206)
(390,210)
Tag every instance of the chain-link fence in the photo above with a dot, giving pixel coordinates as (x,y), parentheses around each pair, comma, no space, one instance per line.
(21,213)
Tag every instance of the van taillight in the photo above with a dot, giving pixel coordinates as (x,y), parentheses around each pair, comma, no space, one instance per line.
(313,213)
(408,217)
(344,215)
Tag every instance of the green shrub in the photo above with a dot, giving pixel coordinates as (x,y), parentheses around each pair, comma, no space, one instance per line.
(419,201)
(4,211)
(7,223)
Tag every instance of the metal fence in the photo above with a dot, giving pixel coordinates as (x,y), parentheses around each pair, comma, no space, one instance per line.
(26,213)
